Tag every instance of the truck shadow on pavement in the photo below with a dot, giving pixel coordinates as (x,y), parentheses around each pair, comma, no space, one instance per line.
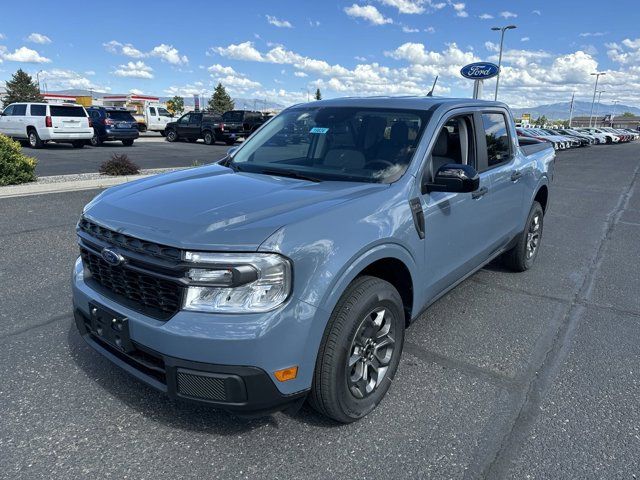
(155,406)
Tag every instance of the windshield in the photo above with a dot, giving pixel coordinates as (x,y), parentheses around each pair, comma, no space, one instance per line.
(335,143)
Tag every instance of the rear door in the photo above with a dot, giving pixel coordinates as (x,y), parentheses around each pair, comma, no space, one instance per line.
(68,118)
(195,125)
(18,120)
(498,159)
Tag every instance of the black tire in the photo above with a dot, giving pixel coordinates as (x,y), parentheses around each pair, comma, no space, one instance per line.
(523,255)
(209,138)
(163,133)
(128,142)
(78,144)
(334,392)
(33,139)
(230,141)
(95,141)
(172,135)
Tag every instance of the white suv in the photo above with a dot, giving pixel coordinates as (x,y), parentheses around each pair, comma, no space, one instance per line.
(40,122)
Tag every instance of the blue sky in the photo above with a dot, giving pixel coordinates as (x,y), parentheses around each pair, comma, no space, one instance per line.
(278,50)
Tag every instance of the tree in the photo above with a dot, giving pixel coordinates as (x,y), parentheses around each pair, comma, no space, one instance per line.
(221,101)
(22,88)
(176,105)
(318,94)
(628,115)
(542,121)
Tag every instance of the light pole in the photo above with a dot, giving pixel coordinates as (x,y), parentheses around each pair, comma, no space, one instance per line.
(600,92)
(38,79)
(613,113)
(597,74)
(502,30)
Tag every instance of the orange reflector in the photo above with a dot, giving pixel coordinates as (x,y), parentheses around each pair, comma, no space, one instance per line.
(286,374)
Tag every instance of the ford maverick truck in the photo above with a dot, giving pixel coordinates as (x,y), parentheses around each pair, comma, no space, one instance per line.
(289,270)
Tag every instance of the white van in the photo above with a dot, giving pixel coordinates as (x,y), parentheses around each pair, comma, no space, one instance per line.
(40,123)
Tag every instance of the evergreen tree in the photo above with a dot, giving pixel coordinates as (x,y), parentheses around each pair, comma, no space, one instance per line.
(176,105)
(22,88)
(318,94)
(220,101)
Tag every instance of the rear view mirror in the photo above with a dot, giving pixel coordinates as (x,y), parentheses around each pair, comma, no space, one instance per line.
(454,177)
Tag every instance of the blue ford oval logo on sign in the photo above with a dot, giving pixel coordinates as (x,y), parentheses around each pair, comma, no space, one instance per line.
(479,70)
(112,257)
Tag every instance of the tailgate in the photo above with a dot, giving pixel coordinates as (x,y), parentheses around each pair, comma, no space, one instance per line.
(233,127)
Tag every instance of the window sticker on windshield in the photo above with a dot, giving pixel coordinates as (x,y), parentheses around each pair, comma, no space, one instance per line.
(319,130)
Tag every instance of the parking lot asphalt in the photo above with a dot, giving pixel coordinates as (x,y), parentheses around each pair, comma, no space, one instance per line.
(149,151)
(509,376)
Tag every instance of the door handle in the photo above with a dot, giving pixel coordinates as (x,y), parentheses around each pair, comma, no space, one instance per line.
(480,193)
(515,175)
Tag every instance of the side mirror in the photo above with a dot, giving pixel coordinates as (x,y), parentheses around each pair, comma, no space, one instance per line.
(231,150)
(454,177)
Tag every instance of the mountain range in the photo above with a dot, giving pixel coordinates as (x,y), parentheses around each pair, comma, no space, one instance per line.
(553,111)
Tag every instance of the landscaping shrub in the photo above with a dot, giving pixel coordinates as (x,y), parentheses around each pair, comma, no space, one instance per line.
(15,167)
(119,165)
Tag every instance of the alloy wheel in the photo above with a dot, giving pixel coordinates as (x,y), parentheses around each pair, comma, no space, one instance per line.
(533,236)
(370,353)
(33,140)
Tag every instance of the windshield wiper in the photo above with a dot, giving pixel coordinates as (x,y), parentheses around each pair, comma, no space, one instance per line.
(289,173)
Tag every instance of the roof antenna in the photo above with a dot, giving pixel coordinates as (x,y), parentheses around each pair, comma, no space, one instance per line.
(430,94)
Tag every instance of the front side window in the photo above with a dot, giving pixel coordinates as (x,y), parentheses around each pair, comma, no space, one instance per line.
(163,112)
(497,138)
(184,119)
(335,143)
(19,110)
(39,110)
(8,111)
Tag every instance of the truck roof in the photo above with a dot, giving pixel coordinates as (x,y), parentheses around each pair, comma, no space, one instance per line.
(405,102)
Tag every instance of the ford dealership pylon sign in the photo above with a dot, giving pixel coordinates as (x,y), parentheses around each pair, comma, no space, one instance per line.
(479,70)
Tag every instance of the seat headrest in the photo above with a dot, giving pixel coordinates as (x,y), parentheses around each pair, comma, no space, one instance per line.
(399,134)
(441,147)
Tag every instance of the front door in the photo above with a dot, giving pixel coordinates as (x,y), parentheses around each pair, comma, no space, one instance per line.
(6,121)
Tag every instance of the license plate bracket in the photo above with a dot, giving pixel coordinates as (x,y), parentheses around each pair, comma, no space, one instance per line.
(110,327)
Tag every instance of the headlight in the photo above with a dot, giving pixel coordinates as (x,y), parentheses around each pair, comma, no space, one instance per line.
(236,282)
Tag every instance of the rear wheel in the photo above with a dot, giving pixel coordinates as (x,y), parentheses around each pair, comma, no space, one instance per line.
(128,142)
(78,144)
(360,350)
(95,140)
(209,139)
(34,139)
(172,135)
(523,255)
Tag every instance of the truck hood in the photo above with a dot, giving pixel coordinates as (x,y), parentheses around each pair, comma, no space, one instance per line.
(215,208)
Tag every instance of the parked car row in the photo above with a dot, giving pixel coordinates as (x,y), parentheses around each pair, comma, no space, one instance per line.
(229,127)
(565,138)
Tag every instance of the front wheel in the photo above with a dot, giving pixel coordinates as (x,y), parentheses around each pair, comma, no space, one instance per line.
(172,136)
(522,256)
(360,350)
(128,142)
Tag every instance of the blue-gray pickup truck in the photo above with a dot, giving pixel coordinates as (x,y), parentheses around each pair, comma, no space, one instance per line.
(289,270)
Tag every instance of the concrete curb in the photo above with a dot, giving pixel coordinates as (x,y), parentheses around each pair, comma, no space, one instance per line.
(71,183)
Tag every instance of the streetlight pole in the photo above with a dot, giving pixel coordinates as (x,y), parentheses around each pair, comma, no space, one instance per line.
(38,79)
(502,30)
(571,109)
(613,114)
(600,92)
(595,88)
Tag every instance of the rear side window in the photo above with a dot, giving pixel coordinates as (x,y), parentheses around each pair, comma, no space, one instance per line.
(497,137)
(19,110)
(61,111)
(233,116)
(120,115)
(38,110)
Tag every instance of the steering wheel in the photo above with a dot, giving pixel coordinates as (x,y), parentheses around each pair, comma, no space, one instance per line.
(379,161)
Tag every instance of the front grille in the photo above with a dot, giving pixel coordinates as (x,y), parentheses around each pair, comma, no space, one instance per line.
(151,295)
(204,386)
(129,243)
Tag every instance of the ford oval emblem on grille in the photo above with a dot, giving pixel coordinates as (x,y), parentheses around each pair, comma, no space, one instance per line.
(112,257)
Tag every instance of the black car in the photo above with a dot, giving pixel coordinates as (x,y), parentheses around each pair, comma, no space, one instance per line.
(238,124)
(194,125)
(112,123)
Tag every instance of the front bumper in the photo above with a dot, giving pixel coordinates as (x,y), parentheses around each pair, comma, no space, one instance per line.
(249,348)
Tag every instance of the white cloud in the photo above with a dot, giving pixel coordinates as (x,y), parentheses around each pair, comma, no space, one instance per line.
(220,70)
(430,30)
(90,72)
(241,51)
(167,53)
(626,54)
(485,16)
(525,39)
(506,14)
(134,70)
(591,34)
(536,12)
(314,23)
(368,13)
(2,36)
(59,79)
(459,9)
(39,38)
(360,59)
(300,74)
(276,22)
(406,6)
(136,91)
(23,54)
(187,90)
(407,29)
